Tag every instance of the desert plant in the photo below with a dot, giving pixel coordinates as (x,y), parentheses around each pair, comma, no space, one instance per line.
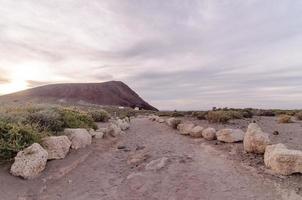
(284,119)
(201,115)
(177,114)
(46,120)
(77,119)
(99,115)
(218,116)
(14,138)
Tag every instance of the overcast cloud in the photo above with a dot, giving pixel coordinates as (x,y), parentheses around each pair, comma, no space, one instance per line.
(176,54)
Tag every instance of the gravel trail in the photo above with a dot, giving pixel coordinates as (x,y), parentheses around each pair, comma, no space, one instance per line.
(194,171)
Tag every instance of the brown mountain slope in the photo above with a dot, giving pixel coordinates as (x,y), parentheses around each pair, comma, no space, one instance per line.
(114,93)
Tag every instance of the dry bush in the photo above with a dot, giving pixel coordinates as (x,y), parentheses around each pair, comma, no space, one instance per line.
(218,116)
(284,119)
(201,115)
(99,115)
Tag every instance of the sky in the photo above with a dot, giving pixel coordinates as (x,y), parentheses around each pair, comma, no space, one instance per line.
(176,54)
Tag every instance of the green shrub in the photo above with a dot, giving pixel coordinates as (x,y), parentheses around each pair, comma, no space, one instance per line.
(247,113)
(200,115)
(284,119)
(14,138)
(299,115)
(218,116)
(177,114)
(99,115)
(46,120)
(267,113)
(234,114)
(77,119)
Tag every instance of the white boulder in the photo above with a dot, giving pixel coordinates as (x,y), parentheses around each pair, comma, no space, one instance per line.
(196,131)
(30,162)
(255,140)
(173,122)
(114,130)
(57,147)
(123,124)
(161,120)
(80,138)
(209,134)
(185,128)
(282,160)
(230,135)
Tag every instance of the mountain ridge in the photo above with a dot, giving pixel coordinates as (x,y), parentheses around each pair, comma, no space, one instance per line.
(111,93)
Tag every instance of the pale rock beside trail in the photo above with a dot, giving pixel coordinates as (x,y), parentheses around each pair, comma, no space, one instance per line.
(282,160)
(56,146)
(98,134)
(138,158)
(30,162)
(161,120)
(255,140)
(230,135)
(196,132)
(80,138)
(114,130)
(209,134)
(153,117)
(157,164)
(123,124)
(185,128)
(173,122)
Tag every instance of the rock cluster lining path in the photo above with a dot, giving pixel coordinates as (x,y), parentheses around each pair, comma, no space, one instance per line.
(193,171)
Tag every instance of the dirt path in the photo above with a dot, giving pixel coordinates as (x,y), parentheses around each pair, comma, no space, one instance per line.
(194,171)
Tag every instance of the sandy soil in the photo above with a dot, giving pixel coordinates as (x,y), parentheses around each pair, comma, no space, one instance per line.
(196,169)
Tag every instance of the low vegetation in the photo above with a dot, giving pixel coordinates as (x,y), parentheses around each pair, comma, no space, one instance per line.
(284,119)
(22,126)
(218,116)
(99,115)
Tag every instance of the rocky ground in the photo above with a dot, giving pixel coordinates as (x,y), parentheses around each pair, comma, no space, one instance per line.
(151,161)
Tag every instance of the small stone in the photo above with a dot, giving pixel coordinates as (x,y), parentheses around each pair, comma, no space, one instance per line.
(157,164)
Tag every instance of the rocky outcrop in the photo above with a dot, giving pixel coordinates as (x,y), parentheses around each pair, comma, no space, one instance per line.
(57,147)
(173,122)
(30,162)
(255,140)
(230,135)
(80,138)
(196,132)
(185,128)
(282,160)
(209,134)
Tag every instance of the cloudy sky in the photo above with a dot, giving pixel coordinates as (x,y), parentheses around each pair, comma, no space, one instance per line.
(177,54)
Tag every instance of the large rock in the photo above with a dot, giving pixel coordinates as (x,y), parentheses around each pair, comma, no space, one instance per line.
(57,147)
(209,134)
(255,140)
(196,132)
(153,117)
(30,162)
(80,138)
(123,124)
(114,130)
(185,128)
(230,135)
(282,160)
(160,120)
(173,122)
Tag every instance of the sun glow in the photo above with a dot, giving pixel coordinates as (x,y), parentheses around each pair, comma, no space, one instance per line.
(20,75)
